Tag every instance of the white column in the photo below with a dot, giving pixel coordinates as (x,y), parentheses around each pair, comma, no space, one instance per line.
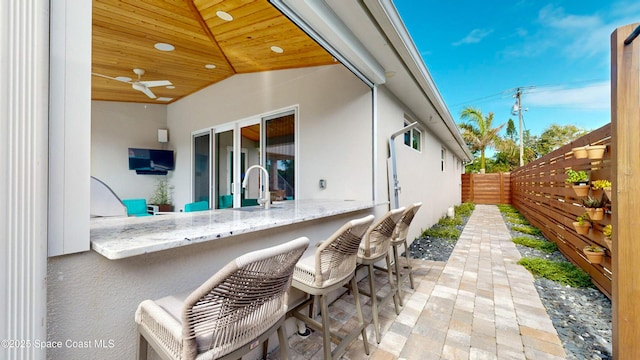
(24,54)
(70,126)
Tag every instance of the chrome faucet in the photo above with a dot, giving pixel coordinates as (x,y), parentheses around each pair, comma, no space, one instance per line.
(265,200)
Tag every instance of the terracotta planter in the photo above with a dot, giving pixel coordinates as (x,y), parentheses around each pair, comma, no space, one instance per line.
(593,256)
(581,190)
(579,152)
(609,243)
(596,193)
(596,152)
(582,229)
(595,214)
(165,208)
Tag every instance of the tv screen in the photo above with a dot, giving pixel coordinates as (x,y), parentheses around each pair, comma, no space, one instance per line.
(151,161)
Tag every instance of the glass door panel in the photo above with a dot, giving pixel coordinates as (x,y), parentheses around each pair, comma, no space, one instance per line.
(201,167)
(249,156)
(224,169)
(280,156)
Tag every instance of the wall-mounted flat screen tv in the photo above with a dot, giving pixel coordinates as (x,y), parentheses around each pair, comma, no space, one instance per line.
(151,161)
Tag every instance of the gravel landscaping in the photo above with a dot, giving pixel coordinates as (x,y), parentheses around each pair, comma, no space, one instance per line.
(581,316)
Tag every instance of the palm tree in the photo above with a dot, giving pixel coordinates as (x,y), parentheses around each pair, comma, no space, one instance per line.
(477,131)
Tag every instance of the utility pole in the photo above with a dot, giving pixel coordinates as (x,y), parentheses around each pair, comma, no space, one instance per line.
(518,107)
(519,99)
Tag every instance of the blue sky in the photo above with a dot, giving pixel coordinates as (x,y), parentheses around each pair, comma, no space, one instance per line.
(476,52)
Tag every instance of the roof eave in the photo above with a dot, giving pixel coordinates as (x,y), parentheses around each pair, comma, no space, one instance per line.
(390,22)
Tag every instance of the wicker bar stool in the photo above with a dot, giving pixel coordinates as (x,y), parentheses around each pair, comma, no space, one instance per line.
(400,239)
(373,248)
(227,316)
(331,267)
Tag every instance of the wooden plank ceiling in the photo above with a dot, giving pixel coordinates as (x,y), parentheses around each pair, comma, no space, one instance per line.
(125,32)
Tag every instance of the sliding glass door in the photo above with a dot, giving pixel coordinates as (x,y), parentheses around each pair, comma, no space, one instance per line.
(223,155)
(280,155)
(224,183)
(249,156)
(202,166)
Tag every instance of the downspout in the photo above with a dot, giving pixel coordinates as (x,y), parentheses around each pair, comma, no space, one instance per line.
(374,143)
(394,186)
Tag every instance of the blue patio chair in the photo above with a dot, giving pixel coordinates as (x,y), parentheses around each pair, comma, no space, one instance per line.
(196,206)
(136,207)
(225,201)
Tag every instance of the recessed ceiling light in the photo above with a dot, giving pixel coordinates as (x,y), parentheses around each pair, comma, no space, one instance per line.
(224,15)
(164,99)
(164,47)
(277,49)
(170,87)
(123,78)
(210,66)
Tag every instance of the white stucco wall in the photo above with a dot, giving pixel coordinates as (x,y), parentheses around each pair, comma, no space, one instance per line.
(418,172)
(115,127)
(334,126)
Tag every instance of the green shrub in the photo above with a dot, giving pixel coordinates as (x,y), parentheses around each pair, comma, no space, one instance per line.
(518,221)
(504,208)
(464,209)
(443,232)
(563,272)
(515,215)
(542,245)
(447,221)
(529,230)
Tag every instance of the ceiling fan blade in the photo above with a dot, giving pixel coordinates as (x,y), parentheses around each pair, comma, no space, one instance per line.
(154,83)
(120,78)
(148,92)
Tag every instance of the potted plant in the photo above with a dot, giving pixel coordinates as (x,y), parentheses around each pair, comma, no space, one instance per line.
(599,185)
(594,253)
(582,224)
(594,207)
(579,152)
(161,197)
(608,234)
(596,152)
(580,181)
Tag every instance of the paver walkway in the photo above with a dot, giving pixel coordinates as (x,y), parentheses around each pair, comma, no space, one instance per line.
(478,305)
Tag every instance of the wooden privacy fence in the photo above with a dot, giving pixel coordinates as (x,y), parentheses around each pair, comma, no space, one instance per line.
(494,188)
(540,193)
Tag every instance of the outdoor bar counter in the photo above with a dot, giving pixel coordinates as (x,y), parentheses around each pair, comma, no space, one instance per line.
(118,238)
(134,259)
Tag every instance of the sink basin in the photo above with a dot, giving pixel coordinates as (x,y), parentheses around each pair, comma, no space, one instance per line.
(255,208)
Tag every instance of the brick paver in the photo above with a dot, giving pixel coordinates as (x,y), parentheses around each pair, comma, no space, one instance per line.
(478,305)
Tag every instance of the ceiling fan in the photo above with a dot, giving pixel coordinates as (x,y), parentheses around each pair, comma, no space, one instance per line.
(142,86)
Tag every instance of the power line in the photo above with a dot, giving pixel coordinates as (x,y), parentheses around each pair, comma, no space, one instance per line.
(509,91)
(478,99)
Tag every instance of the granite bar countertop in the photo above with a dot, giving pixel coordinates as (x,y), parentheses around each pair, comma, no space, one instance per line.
(122,237)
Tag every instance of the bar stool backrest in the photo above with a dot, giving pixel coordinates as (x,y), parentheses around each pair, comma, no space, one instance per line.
(402,228)
(378,237)
(336,257)
(240,302)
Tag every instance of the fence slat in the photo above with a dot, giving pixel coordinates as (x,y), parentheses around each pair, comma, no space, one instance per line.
(539,192)
(494,188)
(625,117)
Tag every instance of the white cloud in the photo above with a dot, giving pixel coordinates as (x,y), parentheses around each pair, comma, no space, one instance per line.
(575,36)
(556,18)
(592,96)
(475,36)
